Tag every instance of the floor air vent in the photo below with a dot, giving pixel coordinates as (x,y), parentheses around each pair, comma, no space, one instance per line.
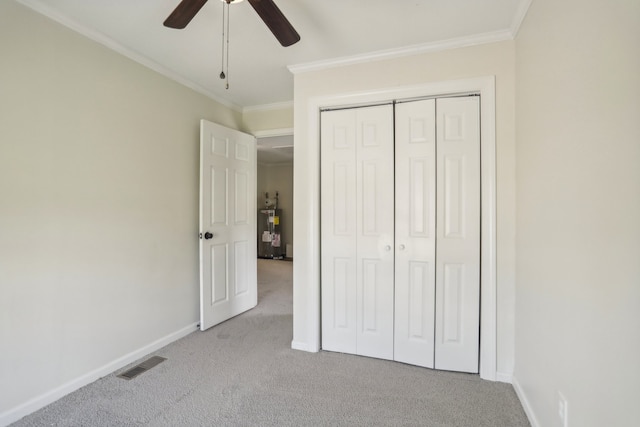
(142,367)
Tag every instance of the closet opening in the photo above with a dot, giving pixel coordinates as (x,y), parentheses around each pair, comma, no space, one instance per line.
(400,231)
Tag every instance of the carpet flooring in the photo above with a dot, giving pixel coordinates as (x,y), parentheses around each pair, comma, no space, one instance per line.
(244,373)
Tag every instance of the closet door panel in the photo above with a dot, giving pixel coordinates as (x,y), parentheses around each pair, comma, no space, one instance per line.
(415,173)
(375,231)
(338,231)
(458,234)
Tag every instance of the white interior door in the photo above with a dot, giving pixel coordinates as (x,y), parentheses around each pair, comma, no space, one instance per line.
(415,232)
(357,231)
(228,282)
(458,234)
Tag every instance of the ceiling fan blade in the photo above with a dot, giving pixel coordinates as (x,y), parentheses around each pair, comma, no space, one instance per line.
(276,21)
(184,13)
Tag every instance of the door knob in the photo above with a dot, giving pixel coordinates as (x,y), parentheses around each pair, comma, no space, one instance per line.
(208,235)
(402,247)
(387,248)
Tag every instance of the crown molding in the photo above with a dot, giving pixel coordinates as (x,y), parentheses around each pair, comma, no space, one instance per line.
(43,9)
(269,107)
(491,37)
(518,18)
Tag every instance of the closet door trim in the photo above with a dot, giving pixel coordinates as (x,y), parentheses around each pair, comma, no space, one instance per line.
(307,331)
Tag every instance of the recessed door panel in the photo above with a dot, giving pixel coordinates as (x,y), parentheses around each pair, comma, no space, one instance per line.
(420,127)
(343,134)
(454,126)
(420,320)
(339,289)
(219,145)
(421,200)
(369,295)
(243,151)
(240,262)
(370,198)
(219,204)
(218,274)
(241,210)
(452,298)
(343,223)
(454,196)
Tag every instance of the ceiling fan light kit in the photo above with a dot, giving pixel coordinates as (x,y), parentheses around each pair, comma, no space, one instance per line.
(270,14)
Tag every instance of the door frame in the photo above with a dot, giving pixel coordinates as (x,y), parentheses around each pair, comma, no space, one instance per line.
(308,245)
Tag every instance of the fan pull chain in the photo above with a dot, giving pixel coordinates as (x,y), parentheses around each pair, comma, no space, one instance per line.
(225,47)
(228,31)
(222,75)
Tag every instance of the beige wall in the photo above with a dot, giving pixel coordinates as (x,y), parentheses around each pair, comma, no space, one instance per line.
(264,119)
(99,182)
(98,205)
(485,60)
(578,212)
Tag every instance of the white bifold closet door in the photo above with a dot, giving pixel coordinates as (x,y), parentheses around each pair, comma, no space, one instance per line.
(415,275)
(357,231)
(437,269)
(400,236)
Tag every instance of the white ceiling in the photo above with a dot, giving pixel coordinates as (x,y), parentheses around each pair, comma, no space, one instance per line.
(331,31)
(275,150)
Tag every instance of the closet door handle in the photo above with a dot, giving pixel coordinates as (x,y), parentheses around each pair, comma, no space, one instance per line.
(402,247)
(387,248)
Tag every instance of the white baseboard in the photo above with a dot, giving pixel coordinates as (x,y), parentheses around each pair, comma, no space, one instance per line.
(38,402)
(525,403)
(299,345)
(504,377)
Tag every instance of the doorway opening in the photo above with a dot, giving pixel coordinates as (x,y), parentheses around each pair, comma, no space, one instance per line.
(274,185)
(275,196)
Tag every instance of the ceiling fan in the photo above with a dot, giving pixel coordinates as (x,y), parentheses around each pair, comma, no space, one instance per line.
(266,9)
